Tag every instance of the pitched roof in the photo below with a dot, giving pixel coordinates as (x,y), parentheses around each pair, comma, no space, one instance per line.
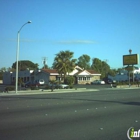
(55,72)
(93,72)
(81,72)
(50,70)
(87,72)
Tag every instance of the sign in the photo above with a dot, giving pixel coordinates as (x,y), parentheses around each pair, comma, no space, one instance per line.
(130,59)
(129,68)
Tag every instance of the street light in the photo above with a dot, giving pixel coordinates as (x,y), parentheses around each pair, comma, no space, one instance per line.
(17,55)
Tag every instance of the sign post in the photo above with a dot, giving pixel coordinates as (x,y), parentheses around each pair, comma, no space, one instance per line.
(130,60)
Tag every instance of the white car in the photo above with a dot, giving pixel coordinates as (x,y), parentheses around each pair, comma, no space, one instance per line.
(41,82)
(98,82)
(102,82)
(63,86)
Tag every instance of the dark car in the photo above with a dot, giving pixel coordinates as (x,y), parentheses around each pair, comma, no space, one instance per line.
(29,84)
(110,81)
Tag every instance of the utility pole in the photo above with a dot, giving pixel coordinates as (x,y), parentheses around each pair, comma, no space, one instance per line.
(44,62)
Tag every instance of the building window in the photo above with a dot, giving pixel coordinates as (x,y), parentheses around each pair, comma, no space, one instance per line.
(80,78)
(84,78)
(88,78)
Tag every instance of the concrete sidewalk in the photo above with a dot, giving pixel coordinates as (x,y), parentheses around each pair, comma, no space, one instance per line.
(42,91)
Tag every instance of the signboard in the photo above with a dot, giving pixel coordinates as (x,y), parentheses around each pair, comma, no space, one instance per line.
(130,68)
(130,59)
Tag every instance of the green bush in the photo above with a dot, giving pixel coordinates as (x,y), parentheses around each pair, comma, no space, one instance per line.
(47,87)
(118,83)
(69,80)
(71,86)
(127,83)
(10,88)
(131,83)
(34,88)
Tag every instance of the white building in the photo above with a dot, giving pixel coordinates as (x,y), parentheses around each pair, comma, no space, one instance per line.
(81,76)
(137,71)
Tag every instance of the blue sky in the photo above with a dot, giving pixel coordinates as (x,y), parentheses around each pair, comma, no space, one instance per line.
(104,29)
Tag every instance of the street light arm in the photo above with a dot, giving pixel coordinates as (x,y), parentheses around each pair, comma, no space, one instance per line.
(24,25)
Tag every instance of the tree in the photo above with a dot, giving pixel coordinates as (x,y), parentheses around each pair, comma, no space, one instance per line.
(96,65)
(11,69)
(25,64)
(112,72)
(64,63)
(101,67)
(84,61)
(105,69)
(2,70)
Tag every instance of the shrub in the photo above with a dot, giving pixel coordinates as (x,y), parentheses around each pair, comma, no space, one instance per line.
(47,87)
(33,88)
(69,80)
(10,88)
(71,86)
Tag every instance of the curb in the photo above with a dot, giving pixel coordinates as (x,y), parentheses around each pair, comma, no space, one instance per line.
(40,91)
(34,92)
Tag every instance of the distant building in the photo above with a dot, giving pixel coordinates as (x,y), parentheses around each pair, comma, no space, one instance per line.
(25,76)
(137,71)
(123,75)
(81,76)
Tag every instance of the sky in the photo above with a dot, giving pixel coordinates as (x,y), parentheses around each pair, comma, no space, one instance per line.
(104,29)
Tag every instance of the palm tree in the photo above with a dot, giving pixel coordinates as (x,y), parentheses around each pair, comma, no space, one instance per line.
(64,63)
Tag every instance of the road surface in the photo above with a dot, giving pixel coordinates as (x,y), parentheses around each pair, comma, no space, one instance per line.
(96,115)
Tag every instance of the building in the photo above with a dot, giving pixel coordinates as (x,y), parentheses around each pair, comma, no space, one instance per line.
(25,76)
(123,75)
(81,76)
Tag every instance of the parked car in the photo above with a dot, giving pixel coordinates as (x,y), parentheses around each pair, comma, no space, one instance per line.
(27,84)
(63,86)
(35,83)
(110,81)
(98,82)
(55,86)
(41,82)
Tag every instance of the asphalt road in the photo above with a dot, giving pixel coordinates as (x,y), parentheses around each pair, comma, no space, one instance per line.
(99,115)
